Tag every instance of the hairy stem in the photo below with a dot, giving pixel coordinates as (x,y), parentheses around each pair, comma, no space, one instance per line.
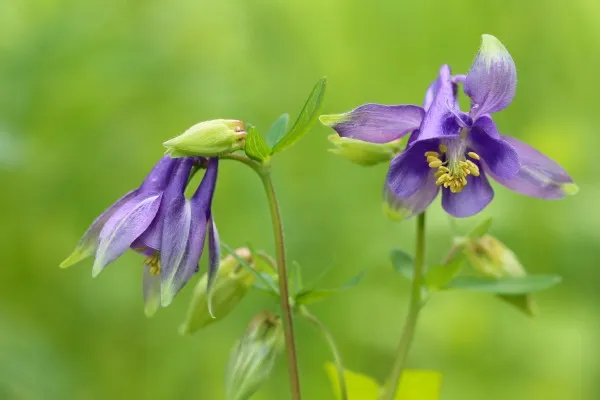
(414,307)
(284,295)
(337,357)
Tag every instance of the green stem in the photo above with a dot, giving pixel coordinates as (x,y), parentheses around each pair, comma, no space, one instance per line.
(393,380)
(337,357)
(284,295)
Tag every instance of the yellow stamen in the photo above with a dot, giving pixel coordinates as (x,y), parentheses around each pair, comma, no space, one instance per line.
(154,263)
(474,155)
(452,175)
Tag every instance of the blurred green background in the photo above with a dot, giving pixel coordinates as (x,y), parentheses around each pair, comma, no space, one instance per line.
(90,89)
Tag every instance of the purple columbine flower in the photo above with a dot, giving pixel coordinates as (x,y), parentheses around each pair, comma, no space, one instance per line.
(454,150)
(157,221)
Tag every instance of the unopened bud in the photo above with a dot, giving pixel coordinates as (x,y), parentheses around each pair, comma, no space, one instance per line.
(231,284)
(253,357)
(209,139)
(493,259)
(364,153)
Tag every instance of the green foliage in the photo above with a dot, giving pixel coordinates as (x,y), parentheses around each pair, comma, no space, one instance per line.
(507,285)
(438,277)
(403,263)
(480,229)
(256,148)
(278,130)
(308,296)
(415,385)
(306,119)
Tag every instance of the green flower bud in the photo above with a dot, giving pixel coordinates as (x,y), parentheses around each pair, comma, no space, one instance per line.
(231,284)
(253,357)
(364,153)
(493,259)
(209,139)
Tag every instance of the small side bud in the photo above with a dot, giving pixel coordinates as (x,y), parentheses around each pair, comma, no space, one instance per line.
(209,139)
(230,286)
(253,357)
(364,153)
(493,259)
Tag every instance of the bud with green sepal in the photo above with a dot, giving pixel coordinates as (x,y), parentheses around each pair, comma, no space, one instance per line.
(253,357)
(493,259)
(364,153)
(230,286)
(209,139)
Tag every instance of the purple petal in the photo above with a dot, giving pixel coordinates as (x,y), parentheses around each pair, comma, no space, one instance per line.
(152,237)
(151,290)
(376,123)
(492,80)
(191,257)
(89,242)
(473,198)
(214,258)
(439,122)
(409,170)
(204,194)
(501,158)
(185,262)
(432,90)
(539,176)
(214,251)
(159,176)
(435,86)
(459,78)
(399,208)
(125,225)
(176,228)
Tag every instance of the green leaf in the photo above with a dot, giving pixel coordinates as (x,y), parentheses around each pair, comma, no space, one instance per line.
(278,130)
(256,148)
(523,302)
(415,385)
(308,116)
(359,386)
(419,385)
(296,277)
(507,285)
(308,296)
(480,229)
(403,263)
(440,276)
(266,283)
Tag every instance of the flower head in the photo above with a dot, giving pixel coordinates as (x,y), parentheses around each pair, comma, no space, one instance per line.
(156,220)
(455,151)
(209,139)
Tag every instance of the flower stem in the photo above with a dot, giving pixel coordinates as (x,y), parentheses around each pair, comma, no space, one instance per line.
(393,380)
(284,295)
(288,323)
(337,357)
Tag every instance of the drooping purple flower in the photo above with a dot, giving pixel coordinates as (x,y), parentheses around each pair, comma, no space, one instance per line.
(454,150)
(156,220)
(186,224)
(113,232)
